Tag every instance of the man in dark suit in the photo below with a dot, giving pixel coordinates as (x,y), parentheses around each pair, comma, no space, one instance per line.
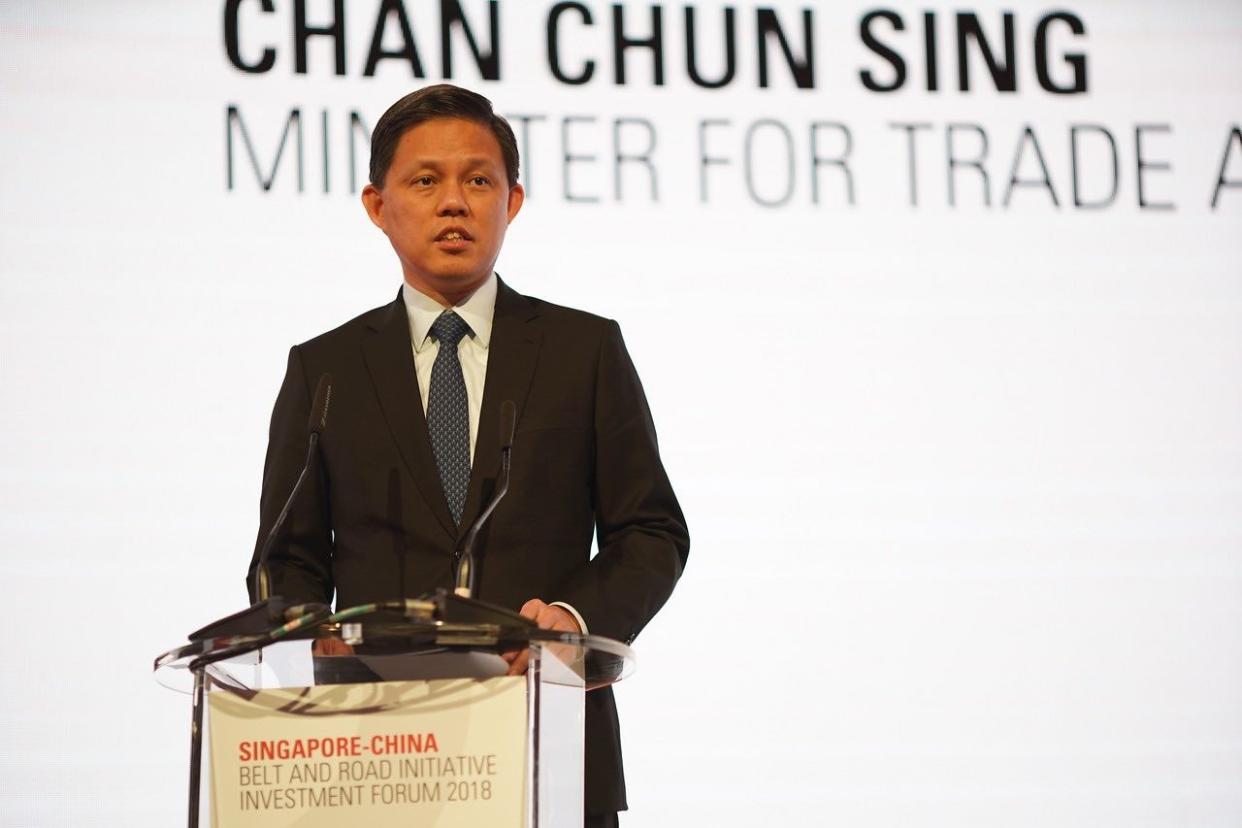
(412,450)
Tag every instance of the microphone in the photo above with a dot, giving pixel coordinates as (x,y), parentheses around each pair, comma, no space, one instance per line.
(464,555)
(508,422)
(316,424)
(269,610)
(319,409)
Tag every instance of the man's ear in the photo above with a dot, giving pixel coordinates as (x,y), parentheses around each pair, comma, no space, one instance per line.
(373,203)
(517,196)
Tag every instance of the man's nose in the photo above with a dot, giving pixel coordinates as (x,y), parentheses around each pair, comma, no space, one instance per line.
(452,200)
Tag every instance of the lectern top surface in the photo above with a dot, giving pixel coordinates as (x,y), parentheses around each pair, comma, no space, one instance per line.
(391,651)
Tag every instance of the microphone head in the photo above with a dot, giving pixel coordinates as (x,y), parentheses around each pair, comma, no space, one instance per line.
(508,422)
(319,409)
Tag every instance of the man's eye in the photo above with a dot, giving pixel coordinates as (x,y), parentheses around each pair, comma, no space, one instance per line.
(480,181)
(424,181)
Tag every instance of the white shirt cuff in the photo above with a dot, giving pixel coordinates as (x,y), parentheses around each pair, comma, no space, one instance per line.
(581,624)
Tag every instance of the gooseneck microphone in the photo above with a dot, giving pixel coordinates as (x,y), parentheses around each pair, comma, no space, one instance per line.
(268,611)
(315,425)
(318,420)
(464,554)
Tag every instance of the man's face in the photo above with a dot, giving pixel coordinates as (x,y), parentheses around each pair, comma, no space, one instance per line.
(445,205)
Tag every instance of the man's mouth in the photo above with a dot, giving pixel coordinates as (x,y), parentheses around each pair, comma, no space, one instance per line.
(453,236)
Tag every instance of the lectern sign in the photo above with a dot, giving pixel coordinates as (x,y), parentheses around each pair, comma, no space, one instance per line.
(443,753)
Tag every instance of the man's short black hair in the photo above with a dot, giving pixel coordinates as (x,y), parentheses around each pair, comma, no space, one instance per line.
(440,101)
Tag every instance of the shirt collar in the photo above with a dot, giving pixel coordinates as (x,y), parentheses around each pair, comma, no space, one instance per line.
(477,311)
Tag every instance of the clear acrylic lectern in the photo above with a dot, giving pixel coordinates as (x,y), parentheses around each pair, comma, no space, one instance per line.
(362,718)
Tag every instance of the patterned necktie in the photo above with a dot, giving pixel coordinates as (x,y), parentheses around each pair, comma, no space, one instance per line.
(448,413)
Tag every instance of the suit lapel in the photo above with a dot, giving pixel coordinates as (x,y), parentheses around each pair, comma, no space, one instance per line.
(390,360)
(511,357)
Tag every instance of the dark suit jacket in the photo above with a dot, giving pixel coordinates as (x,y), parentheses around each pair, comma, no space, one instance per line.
(374,524)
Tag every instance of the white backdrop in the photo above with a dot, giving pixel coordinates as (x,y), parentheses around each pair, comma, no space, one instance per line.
(964,479)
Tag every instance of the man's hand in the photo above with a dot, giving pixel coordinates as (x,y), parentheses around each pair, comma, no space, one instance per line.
(547,617)
(331,647)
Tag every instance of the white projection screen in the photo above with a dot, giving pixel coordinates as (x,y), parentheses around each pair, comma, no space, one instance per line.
(938,308)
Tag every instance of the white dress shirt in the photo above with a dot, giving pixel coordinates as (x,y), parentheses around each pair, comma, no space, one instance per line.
(477,310)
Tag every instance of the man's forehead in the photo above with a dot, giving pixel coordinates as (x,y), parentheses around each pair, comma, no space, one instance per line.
(451,136)
(450,146)
(430,159)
